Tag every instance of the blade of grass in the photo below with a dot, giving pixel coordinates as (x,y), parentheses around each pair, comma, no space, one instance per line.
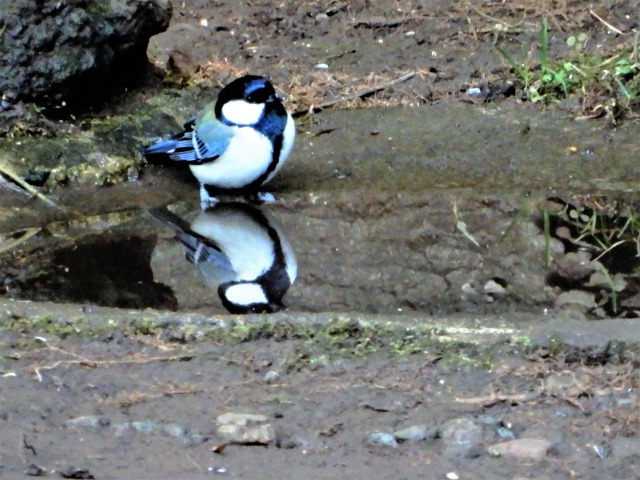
(547,238)
(544,44)
(520,70)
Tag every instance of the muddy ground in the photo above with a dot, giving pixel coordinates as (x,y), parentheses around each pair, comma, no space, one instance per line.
(425,336)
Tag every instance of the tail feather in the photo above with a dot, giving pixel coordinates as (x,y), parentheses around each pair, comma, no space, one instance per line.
(163,146)
(198,249)
(179,147)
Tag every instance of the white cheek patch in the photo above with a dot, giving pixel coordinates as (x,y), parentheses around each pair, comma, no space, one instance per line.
(241,112)
(246,294)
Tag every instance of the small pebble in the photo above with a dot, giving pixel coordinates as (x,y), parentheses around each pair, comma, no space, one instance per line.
(462,432)
(414,433)
(174,430)
(144,427)
(523,448)
(245,428)
(271,376)
(34,470)
(88,421)
(601,451)
(218,470)
(321,66)
(506,434)
(381,439)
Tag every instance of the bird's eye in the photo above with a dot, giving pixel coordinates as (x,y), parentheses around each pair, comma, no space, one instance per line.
(258,96)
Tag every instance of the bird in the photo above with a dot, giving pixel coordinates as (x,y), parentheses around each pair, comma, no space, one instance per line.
(240,251)
(237,143)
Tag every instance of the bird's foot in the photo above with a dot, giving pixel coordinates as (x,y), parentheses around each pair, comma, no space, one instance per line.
(206,200)
(263,197)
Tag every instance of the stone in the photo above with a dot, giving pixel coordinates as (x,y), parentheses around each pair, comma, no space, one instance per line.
(381,439)
(271,376)
(88,421)
(57,53)
(144,427)
(245,428)
(462,435)
(522,449)
(577,299)
(414,433)
(174,430)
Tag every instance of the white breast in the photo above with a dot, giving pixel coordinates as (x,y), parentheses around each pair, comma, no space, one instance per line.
(246,158)
(246,244)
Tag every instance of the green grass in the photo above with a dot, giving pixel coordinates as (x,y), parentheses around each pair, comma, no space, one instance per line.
(604,84)
(610,231)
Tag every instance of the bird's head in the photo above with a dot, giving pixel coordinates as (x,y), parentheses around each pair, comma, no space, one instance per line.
(243,101)
(247,297)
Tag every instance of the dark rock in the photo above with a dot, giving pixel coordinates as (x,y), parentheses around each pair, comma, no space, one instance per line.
(462,436)
(73,472)
(34,470)
(74,53)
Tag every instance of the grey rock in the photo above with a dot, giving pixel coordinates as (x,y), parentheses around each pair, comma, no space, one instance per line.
(144,427)
(462,435)
(54,52)
(577,299)
(88,421)
(174,430)
(524,448)
(381,439)
(506,434)
(245,428)
(488,420)
(415,433)
(271,376)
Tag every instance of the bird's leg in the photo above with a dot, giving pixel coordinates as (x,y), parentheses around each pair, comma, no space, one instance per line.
(206,200)
(264,197)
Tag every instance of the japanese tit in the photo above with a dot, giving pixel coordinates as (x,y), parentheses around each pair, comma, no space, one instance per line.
(240,251)
(236,144)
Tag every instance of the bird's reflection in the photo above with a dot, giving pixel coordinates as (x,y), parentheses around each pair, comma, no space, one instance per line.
(240,249)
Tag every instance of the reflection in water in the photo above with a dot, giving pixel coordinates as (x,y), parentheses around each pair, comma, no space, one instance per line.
(241,251)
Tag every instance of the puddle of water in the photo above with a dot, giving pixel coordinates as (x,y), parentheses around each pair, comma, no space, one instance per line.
(372,210)
(381,254)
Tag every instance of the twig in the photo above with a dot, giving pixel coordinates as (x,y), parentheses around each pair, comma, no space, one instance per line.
(372,22)
(607,24)
(495,398)
(24,236)
(87,362)
(5,170)
(353,96)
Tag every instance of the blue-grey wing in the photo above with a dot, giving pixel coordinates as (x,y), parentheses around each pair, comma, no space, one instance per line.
(199,250)
(203,140)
